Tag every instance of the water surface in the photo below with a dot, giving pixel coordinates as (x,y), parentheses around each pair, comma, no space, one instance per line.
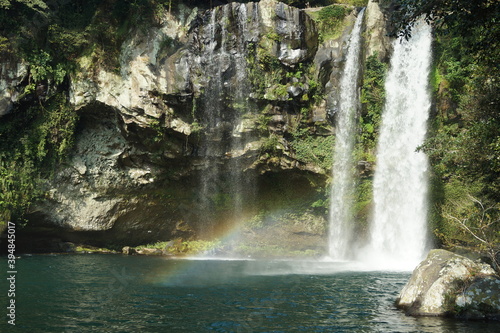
(114,293)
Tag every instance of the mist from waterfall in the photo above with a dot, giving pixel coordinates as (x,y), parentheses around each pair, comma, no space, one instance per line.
(399,226)
(342,191)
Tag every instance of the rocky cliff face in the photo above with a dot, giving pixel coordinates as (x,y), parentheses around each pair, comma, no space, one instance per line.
(203,105)
(12,73)
(377,41)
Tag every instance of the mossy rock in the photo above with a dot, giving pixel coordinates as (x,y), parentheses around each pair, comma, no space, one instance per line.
(447,284)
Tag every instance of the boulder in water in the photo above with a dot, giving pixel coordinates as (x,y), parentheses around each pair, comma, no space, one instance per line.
(447,284)
(128,250)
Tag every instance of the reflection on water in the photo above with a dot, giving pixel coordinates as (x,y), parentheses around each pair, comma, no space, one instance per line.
(111,293)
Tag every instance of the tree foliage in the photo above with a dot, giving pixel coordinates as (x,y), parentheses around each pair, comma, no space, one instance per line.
(478,223)
(475,21)
(372,99)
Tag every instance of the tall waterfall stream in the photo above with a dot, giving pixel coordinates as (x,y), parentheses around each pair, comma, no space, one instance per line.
(398,229)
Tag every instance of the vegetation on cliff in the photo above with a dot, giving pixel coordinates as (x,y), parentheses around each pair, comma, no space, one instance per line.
(32,144)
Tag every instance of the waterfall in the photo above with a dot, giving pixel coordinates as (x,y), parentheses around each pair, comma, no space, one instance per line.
(398,229)
(343,179)
(212,123)
(243,186)
(223,186)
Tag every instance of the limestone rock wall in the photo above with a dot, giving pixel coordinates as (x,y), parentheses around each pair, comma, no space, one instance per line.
(377,41)
(12,73)
(140,148)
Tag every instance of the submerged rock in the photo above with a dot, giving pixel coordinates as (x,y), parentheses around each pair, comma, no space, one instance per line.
(447,284)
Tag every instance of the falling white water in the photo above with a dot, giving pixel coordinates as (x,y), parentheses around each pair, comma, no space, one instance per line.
(343,179)
(243,189)
(399,226)
(224,57)
(215,54)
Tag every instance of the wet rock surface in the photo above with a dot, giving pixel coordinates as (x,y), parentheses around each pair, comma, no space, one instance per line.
(447,284)
(143,139)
